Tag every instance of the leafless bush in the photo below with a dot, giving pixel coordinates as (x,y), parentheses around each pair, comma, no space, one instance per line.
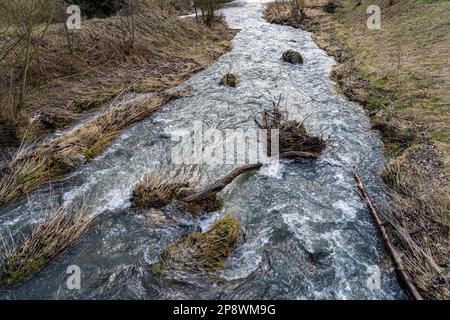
(23,23)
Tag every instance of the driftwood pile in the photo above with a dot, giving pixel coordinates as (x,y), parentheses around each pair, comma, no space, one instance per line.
(293,136)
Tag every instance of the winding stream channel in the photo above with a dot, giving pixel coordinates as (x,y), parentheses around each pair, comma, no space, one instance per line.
(307,234)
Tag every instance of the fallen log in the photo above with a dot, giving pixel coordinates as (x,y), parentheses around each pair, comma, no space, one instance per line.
(298,154)
(222,183)
(403,276)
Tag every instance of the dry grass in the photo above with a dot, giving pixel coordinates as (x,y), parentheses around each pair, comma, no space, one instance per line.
(103,65)
(204,252)
(400,74)
(175,182)
(32,167)
(292,134)
(60,231)
(159,187)
(420,218)
(282,11)
(408,58)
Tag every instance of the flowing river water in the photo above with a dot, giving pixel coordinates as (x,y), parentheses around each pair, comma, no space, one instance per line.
(307,235)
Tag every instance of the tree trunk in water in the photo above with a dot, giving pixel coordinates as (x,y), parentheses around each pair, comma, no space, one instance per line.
(222,183)
(398,263)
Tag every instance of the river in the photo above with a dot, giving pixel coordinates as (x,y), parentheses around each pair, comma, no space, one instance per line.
(307,234)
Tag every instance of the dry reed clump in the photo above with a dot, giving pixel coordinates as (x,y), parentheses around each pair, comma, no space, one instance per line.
(292,134)
(57,233)
(204,252)
(420,218)
(32,167)
(160,187)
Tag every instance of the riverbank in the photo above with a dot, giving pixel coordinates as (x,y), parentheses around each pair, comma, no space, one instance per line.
(400,75)
(304,232)
(101,69)
(73,75)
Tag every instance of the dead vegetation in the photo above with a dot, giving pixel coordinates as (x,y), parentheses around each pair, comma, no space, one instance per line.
(398,73)
(172,185)
(160,187)
(201,252)
(208,204)
(293,136)
(284,12)
(419,216)
(33,166)
(402,275)
(57,233)
(70,72)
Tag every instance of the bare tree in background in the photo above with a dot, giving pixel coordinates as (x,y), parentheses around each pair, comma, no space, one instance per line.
(23,23)
(208,10)
(127,21)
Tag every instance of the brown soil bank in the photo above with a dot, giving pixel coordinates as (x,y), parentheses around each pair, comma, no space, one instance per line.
(401,75)
(71,73)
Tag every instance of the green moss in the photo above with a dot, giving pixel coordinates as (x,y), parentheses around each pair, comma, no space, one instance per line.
(10,274)
(375,101)
(206,252)
(157,269)
(89,154)
(381,82)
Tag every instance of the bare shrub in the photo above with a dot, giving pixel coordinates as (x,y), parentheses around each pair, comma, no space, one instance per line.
(208,10)
(24,21)
(292,134)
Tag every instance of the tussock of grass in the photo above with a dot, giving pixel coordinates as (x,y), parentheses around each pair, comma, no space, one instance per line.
(175,182)
(32,167)
(420,218)
(60,231)
(159,187)
(205,252)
